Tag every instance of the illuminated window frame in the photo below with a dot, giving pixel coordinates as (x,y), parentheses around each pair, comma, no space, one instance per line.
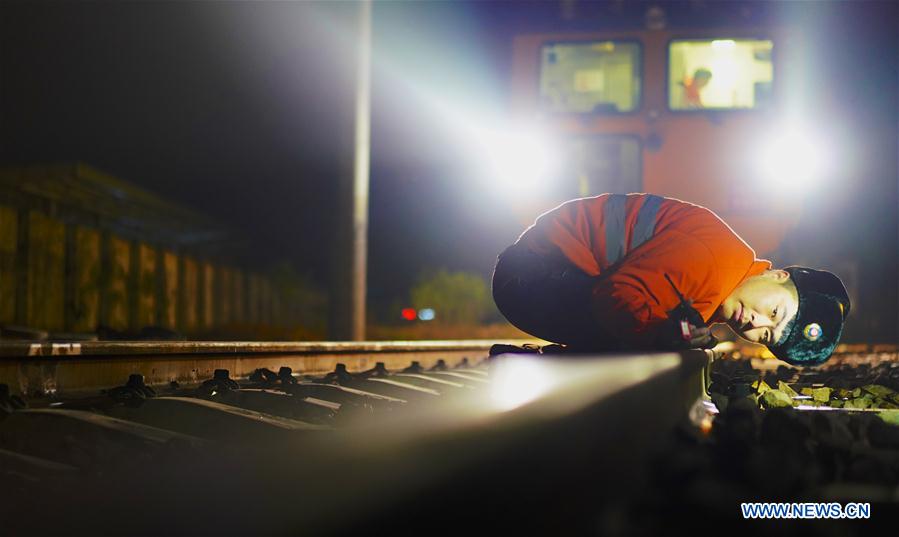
(775,75)
(638,72)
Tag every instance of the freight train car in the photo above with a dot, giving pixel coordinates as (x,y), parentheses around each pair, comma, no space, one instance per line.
(80,249)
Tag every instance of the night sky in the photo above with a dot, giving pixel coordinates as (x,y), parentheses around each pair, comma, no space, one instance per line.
(242,111)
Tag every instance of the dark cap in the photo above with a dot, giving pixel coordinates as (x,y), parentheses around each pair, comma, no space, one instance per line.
(812,335)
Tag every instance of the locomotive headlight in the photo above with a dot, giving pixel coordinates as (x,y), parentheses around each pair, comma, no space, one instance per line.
(792,159)
(519,160)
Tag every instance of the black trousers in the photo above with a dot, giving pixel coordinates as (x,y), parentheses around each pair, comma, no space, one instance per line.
(549,298)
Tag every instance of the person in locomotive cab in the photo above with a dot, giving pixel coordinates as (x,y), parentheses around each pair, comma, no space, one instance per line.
(643,272)
(693,87)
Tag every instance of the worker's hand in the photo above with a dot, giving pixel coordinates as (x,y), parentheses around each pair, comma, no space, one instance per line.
(675,336)
(701,337)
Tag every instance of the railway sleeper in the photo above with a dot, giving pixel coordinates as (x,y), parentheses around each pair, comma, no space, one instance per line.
(317,402)
(280,403)
(213,420)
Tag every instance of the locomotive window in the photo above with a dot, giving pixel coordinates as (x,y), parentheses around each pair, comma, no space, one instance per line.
(596,77)
(719,74)
(593,165)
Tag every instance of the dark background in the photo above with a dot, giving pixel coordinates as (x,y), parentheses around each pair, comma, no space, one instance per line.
(242,111)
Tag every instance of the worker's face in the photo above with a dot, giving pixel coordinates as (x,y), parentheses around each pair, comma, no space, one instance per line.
(761,307)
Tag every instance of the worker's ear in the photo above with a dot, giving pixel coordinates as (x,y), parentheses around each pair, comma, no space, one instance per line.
(777,275)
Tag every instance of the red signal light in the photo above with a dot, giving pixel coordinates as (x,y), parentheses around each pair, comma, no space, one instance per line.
(409,314)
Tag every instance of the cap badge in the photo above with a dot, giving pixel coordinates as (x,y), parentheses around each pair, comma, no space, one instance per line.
(812,332)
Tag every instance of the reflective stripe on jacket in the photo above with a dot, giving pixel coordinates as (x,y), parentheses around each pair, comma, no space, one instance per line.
(630,242)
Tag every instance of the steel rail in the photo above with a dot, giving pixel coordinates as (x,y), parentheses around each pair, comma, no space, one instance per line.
(582,427)
(48,368)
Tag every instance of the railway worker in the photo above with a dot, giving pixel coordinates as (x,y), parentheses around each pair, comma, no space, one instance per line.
(693,87)
(609,273)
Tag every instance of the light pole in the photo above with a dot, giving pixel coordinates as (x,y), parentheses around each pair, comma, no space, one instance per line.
(348,291)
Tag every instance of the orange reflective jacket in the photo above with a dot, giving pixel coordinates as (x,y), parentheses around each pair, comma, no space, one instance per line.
(606,236)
